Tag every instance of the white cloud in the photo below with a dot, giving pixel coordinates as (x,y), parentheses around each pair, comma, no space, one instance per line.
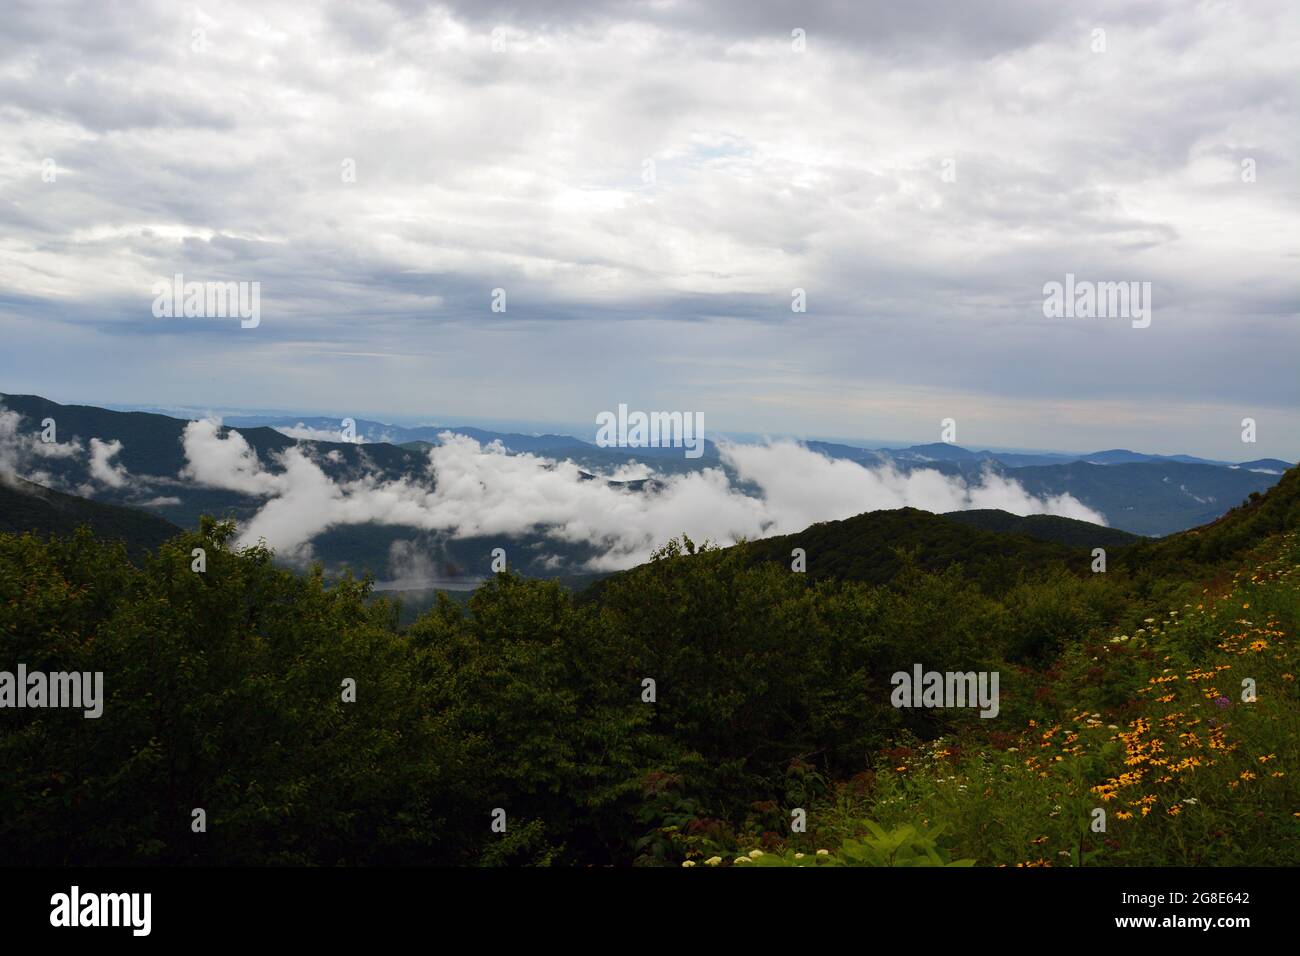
(304,432)
(801,488)
(410,567)
(483,491)
(22,450)
(102,466)
(223,462)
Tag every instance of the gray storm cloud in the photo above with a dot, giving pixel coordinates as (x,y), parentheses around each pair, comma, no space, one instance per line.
(920,169)
(483,491)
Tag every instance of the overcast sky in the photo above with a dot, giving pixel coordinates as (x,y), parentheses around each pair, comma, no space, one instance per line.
(648,182)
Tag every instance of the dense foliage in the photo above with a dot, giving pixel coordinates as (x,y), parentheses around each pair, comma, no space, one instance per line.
(771,693)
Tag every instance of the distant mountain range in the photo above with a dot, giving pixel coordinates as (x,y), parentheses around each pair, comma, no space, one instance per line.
(939,453)
(1138,494)
(559,445)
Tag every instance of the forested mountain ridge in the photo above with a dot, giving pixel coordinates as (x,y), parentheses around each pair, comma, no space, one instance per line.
(1070,531)
(28,507)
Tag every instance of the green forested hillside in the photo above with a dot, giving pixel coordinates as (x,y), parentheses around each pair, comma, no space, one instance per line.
(684,714)
(876,546)
(25,506)
(1079,534)
(1241,528)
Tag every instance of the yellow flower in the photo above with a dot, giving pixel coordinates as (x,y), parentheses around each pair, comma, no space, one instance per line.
(742,859)
(713,861)
(755,854)
(688,862)
(823,852)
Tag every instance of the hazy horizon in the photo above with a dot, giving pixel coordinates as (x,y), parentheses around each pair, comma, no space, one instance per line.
(586,432)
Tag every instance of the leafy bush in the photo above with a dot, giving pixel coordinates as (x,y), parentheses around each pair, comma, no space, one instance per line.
(905,845)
